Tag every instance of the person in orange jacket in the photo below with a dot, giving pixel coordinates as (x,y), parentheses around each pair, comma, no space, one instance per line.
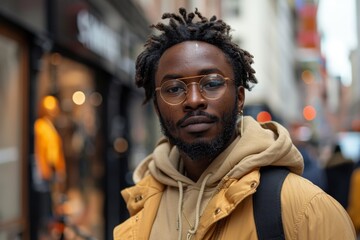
(48,143)
(50,167)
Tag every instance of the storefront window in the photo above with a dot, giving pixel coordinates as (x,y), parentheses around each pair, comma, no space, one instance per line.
(75,185)
(11,129)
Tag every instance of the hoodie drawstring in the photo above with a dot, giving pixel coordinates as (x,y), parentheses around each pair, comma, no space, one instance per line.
(181,195)
(193,230)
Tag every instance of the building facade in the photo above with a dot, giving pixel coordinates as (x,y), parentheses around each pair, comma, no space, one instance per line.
(82,54)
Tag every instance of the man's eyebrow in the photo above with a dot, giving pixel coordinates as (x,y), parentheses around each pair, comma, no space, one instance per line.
(171,76)
(209,70)
(201,72)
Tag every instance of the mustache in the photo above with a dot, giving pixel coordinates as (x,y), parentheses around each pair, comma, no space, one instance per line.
(196,113)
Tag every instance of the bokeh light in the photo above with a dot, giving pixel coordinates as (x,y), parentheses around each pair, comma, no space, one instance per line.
(309,113)
(263,116)
(79,97)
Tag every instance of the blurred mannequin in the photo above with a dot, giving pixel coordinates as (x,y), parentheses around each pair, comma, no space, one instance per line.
(48,144)
(50,166)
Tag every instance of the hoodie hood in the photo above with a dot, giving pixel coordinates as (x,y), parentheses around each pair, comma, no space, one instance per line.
(260,145)
(267,144)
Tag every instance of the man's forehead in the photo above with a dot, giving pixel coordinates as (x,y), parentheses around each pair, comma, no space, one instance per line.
(190,58)
(189,50)
(193,44)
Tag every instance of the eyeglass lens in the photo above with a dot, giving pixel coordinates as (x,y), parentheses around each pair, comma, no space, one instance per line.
(211,86)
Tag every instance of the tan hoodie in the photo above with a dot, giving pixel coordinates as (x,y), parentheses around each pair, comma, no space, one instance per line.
(264,145)
(180,213)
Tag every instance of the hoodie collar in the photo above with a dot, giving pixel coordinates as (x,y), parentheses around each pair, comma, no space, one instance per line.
(261,145)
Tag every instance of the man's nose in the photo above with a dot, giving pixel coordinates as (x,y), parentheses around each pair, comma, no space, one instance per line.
(194,98)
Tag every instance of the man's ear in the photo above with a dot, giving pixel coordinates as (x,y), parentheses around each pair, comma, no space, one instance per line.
(241,97)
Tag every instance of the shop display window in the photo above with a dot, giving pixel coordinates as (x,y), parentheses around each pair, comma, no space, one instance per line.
(73,185)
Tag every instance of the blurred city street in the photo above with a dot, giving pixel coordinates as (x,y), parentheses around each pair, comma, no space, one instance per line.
(67,72)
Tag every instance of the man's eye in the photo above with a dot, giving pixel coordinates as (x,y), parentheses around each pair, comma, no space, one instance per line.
(174,88)
(213,84)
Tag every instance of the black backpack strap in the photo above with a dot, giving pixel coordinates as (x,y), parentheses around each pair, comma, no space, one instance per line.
(267,203)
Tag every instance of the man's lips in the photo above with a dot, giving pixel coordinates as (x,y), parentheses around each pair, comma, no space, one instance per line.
(193,120)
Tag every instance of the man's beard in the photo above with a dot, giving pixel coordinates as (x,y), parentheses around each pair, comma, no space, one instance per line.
(203,149)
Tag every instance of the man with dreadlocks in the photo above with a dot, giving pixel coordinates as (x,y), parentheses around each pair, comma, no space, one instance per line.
(200,180)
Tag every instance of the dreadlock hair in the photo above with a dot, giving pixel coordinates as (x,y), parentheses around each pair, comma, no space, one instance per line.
(182,28)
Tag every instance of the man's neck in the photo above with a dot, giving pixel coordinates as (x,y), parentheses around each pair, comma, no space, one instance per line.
(194,168)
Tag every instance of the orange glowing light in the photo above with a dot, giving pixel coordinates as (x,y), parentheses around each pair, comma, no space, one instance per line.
(263,116)
(309,113)
(307,76)
(50,103)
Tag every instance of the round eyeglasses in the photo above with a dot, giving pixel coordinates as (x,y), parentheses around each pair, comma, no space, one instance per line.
(211,86)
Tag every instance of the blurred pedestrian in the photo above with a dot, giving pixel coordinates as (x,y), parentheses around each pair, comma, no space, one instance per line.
(338,173)
(200,180)
(50,167)
(313,171)
(302,138)
(48,143)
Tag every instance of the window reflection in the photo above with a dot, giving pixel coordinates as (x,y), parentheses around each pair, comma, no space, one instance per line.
(73,84)
(11,128)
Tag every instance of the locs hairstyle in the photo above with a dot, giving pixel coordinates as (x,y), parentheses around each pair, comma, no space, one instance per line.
(182,28)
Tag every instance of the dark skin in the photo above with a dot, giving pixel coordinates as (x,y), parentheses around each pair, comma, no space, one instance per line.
(193,58)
